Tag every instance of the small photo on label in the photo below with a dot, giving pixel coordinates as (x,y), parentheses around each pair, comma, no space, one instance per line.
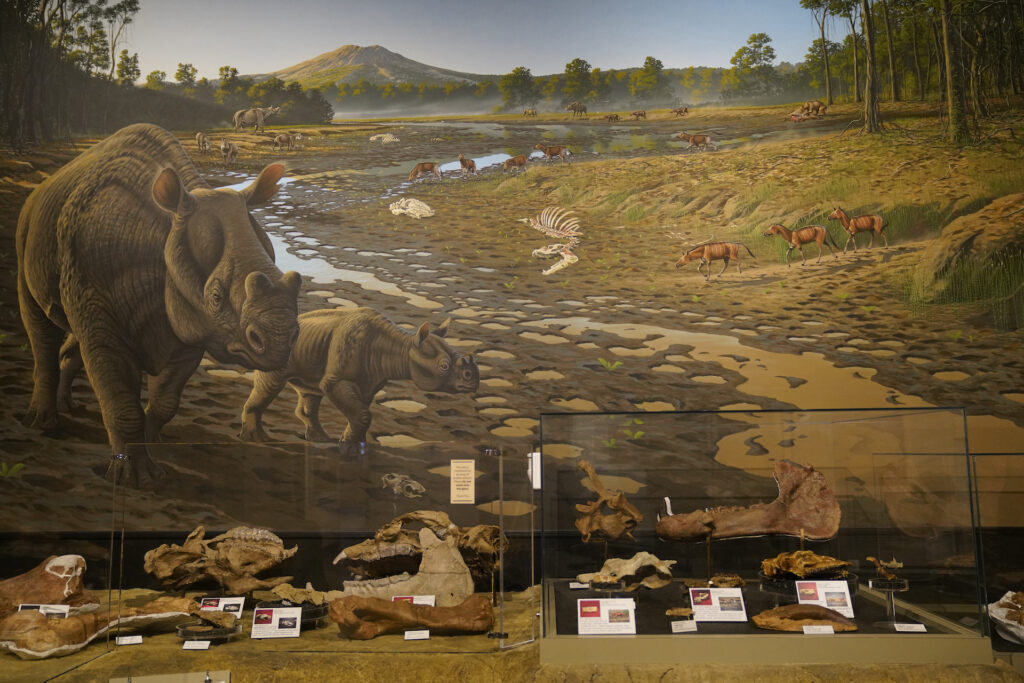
(618,616)
(701,597)
(835,600)
(729,604)
(590,608)
(264,616)
(210,603)
(287,622)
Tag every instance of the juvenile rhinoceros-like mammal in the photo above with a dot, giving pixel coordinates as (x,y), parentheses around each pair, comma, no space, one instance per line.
(254,118)
(131,253)
(348,356)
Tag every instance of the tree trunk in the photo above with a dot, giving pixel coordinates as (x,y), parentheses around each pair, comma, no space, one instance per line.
(856,76)
(872,123)
(824,51)
(895,88)
(958,133)
(940,59)
(917,59)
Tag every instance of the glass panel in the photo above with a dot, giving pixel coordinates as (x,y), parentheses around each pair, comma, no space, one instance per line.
(520,608)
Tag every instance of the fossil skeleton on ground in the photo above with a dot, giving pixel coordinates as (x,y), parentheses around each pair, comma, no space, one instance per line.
(560,224)
(385,138)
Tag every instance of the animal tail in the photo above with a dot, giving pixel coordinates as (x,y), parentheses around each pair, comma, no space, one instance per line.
(831,242)
(747,248)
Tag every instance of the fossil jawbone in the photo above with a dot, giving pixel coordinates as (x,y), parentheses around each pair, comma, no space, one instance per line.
(805,505)
(442,573)
(365,618)
(795,617)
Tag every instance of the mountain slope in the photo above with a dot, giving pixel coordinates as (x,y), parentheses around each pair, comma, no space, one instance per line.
(376,64)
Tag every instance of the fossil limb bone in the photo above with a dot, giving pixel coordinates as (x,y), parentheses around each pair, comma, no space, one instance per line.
(365,618)
(795,617)
(592,524)
(56,580)
(805,506)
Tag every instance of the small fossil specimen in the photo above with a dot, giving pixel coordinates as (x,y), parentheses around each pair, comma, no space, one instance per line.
(620,521)
(402,485)
(803,564)
(885,568)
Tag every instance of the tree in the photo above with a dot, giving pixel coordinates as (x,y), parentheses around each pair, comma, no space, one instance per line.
(819,10)
(871,120)
(128,68)
(893,81)
(186,75)
(118,16)
(958,133)
(155,80)
(752,72)
(849,9)
(518,88)
(577,80)
(649,82)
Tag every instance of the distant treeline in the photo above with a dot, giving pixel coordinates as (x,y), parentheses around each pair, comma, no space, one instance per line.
(61,74)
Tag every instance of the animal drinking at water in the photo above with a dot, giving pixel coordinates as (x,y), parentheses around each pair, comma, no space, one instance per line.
(551,151)
(517,162)
(128,250)
(869,222)
(425,168)
(714,251)
(797,238)
(699,141)
(348,356)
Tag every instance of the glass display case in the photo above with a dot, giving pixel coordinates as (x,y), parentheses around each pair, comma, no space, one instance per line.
(862,524)
(418,522)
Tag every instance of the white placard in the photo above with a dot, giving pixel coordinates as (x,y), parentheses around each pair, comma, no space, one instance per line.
(196,645)
(835,595)
(818,630)
(417,635)
(233,605)
(463,481)
(533,469)
(49,611)
(606,616)
(576,585)
(129,640)
(910,628)
(414,599)
(276,622)
(718,604)
(684,626)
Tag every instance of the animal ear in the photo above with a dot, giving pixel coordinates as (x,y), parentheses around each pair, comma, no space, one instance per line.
(264,187)
(256,283)
(421,334)
(292,281)
(442,329)
(170,195)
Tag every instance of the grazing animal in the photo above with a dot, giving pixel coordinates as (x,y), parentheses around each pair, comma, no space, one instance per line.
(428,167)
(639,114)
(348,356)
(228,151)
(577,109)
(468,165)
(529,112)
(202,142)
(713,251)
(550,151)
(700,141)
(816,107)
(147,268)
(288,140)
(863,223)
(516,162)
(254,117)
(797,238)
(681,111)
(611,117)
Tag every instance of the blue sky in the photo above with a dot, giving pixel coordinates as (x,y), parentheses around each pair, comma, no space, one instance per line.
(478,36)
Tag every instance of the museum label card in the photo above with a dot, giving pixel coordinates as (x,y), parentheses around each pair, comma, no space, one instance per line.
(232,605)
(606,616)
(414,599)
(129,640)
(835,595)
(49,611)
(718,604)
(910,628)
(196,645)
(576,585)
(533,469)
(463,481)
(818,630)
(417,635)
(684,626)
(276,622)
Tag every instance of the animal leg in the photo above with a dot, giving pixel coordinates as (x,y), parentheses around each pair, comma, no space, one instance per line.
(70,364)
(788,264)
(803,259)
(848,240)
(45,338)
(265,388)
(165,389)
(886,239)
(348,399)
(725,264)
(308,411)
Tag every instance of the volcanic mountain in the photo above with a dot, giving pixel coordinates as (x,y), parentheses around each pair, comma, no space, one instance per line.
(376,64)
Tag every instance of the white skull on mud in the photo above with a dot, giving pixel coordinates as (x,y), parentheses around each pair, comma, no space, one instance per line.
(70,568)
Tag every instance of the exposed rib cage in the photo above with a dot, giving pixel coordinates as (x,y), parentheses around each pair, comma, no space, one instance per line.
(558,223)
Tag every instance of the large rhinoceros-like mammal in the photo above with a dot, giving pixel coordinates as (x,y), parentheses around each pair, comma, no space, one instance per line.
(128,250)
(348,356)
(254,118)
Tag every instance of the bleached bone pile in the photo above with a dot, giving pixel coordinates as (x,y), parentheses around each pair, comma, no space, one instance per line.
(411,207)
(385,138)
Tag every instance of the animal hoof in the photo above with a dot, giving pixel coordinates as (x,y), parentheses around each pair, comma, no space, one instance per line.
(139,471)
(250,434)
(317,436)
(43,420)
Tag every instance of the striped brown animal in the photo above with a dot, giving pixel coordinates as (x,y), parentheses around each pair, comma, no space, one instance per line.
(550,151)
(699,141)
(516,162)
(863,223)
(425,167)
(467,165)
(529,112)
(797,238)
(714,251)
(611,117)
(681,111)
(639,114)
